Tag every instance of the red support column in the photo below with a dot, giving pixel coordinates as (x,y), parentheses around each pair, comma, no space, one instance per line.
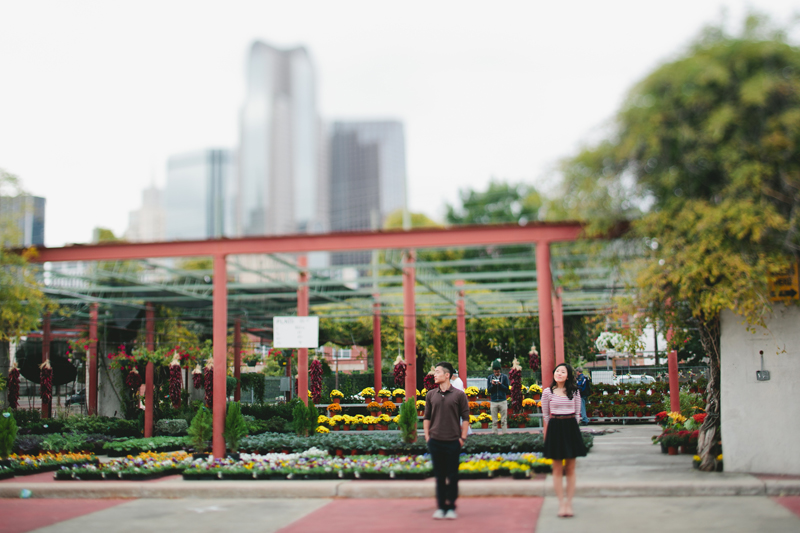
(237,358)
(220,342)
(302,310)
(377,363)
(45,356)
(674,384)
(410,323)
(558,328)
(92,356)
(461,333)
(544,288)
(150,324)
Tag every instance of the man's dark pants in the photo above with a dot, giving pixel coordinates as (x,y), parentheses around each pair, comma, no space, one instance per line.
(444,455)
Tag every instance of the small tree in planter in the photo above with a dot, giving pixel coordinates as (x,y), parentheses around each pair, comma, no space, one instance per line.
(8,433)
(201,430)
(408,421)
(235,427)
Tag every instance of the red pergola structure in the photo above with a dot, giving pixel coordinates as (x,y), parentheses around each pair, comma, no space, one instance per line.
(539,234)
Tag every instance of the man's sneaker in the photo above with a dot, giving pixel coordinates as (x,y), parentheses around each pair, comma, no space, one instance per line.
(451,514)
(438,514)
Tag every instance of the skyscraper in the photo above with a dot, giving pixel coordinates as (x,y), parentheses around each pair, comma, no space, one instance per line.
(199,195)
(146,224)
(281,181)
(367,178)
(22,220)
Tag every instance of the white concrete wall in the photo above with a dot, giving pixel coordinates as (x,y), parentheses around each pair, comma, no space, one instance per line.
(761,419)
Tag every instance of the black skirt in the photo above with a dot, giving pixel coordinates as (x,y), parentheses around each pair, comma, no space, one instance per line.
(563,439)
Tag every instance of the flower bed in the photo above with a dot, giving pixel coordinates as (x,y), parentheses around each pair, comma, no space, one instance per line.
(146,465)
(47,462)
(122,448)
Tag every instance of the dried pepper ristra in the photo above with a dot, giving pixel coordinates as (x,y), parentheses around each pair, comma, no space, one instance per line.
(534,361)
(209,382)
(175,382)
(46,384)
(315,373)
(133,380)
(515,377)
(197,377)
(429,382)
(13,386)
(400,372)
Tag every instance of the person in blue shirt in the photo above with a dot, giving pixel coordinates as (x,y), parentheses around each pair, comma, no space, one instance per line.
(498,386)
(584,386)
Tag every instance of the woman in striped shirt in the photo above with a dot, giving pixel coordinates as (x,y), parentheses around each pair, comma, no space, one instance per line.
(561,406)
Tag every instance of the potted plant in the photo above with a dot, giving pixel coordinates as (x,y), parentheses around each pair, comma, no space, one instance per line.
(535,391)
(251,359)
(235,429)
(485,406)
(421,407)
(374,408)
(407,421)
(388,407)
(368,394)
(334,409)
(8,433)
(399,395)
(472,393)
(474,408)
(336,396)
(384,394)
(200,432)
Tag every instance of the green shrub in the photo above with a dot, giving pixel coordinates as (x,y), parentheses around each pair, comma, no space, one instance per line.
(8,433)
(153,444)
(265,411)
(235,427)
(255,381)
(408,420)
(174,427)
(67,442)
(114,427)
(26,416)
(201,430)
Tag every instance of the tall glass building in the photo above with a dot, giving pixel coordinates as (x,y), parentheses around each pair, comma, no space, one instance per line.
(22,220)
(282,187)
(367,178)
(199,198)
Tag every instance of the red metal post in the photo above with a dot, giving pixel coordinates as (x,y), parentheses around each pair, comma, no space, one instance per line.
(92,356)
(544,288)
(302,310)
(376,343)
(220,342)
(558,327)
(237,358)
(150,337)
(45,356)
(461,333)
(674,384)
(410,323)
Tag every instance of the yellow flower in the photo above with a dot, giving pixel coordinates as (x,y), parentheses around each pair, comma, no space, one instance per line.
(471,391)
(398,392)
(696,458)
(322,429)
(719,457)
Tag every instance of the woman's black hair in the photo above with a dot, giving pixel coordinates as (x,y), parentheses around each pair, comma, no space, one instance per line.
(571,385)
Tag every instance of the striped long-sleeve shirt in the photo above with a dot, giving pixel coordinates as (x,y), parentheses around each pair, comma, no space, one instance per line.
(553,404)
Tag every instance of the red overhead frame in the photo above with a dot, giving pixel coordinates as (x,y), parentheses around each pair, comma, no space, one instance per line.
(302,310)
(237,358)
(541,234)
(461,333)
(558,326)
(150,338)
(92,356)
(376,343)
(45,356)
(544,289)
(410,323)
(674,383)
(220,343)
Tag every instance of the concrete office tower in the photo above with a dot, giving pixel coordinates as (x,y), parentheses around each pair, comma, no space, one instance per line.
(22,220)
(281,181)
(367,178)
(146,224)
(199,196)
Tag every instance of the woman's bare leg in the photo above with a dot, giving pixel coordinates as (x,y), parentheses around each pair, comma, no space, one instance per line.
(558,485)
(570,473)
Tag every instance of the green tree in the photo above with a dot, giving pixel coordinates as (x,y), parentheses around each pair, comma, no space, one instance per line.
(707,147)
(500,203)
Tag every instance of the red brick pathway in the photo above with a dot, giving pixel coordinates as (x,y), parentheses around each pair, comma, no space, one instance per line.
(506,515)
(790,502)
(26,515)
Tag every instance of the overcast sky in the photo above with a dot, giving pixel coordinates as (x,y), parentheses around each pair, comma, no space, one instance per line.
(94,96)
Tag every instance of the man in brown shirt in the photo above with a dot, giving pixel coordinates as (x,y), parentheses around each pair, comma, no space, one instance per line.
(445,408)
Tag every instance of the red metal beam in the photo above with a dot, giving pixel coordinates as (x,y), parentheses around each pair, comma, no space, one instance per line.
(302,310)
(558,326)
(150,340)
(92,356)
(540,232)
(376,343)
(544,288)
(461,333)
(220,343)
(674,383)
(410,323)
(237,358)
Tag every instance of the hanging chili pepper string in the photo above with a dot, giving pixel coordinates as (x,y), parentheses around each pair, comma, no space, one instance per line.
(46,377)
(13,386)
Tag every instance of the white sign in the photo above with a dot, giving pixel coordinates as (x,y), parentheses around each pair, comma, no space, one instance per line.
(295,331)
